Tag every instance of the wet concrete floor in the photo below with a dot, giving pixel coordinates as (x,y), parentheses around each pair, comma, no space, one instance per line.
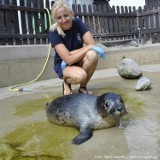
(26,133)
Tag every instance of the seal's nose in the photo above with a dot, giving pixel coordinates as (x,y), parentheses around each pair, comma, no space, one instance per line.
(119,109)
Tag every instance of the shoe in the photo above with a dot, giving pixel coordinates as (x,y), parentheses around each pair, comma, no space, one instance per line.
(84,90)
(69,88)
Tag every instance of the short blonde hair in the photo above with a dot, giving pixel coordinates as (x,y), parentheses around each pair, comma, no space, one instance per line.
(58,4)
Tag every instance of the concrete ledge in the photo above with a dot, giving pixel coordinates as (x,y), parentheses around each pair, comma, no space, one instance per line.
(22,52)
(21,64)
(143,55)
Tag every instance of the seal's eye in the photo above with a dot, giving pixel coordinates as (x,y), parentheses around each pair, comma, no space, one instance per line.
(107,104)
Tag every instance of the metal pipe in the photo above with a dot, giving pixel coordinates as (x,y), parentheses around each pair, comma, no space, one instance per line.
(19,18)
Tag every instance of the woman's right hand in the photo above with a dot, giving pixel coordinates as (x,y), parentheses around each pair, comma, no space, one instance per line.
(63,65)
(99,50)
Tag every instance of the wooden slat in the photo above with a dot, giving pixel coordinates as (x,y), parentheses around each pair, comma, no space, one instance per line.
(134,20)
(116,34)
(126,22)
(105,14)
(79,10)
(145,36)
(13,2)
(85,18)
(91,20)
(47,4)
(2,22)
(95,10)
(119,23)
(110,20)
(151,31)
(123,19)
(152,27)
(106,22)
(100,19)
(22,36)
(21,8)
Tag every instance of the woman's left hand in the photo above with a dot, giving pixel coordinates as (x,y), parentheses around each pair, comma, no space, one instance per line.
(99,50)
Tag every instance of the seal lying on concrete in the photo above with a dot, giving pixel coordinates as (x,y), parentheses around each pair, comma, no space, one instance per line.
(86,112)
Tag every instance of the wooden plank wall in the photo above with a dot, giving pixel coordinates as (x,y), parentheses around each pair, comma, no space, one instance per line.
(106,23)
(31,15)
(149,21)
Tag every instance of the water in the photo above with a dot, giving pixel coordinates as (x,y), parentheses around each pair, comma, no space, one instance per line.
(26,134)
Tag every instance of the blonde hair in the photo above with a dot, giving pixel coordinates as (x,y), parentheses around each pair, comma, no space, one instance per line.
(58,4)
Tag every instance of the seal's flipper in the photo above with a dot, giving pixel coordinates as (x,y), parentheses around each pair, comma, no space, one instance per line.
(84,135)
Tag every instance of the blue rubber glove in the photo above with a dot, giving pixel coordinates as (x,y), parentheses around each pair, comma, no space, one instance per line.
(99,50)
(63,65)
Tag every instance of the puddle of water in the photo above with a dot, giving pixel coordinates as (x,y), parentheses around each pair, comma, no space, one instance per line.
(39,140)
(30,140)
(27,134)
(30,107)
(36,140)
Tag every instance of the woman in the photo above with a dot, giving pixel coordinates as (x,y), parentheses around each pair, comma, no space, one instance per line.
(74,62)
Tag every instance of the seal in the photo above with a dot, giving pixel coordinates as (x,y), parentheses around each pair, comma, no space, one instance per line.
(86,112)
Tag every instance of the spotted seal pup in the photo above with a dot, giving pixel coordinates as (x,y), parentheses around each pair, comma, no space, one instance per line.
(86,112)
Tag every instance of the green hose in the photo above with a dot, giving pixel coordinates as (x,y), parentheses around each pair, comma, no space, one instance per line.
(16,87)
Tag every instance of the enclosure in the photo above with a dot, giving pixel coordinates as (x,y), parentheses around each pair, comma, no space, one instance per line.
(28,22)
(27,134)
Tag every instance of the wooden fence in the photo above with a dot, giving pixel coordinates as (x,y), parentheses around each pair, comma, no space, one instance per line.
(28,22)
(106,23)
(24,24)
(149,24)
